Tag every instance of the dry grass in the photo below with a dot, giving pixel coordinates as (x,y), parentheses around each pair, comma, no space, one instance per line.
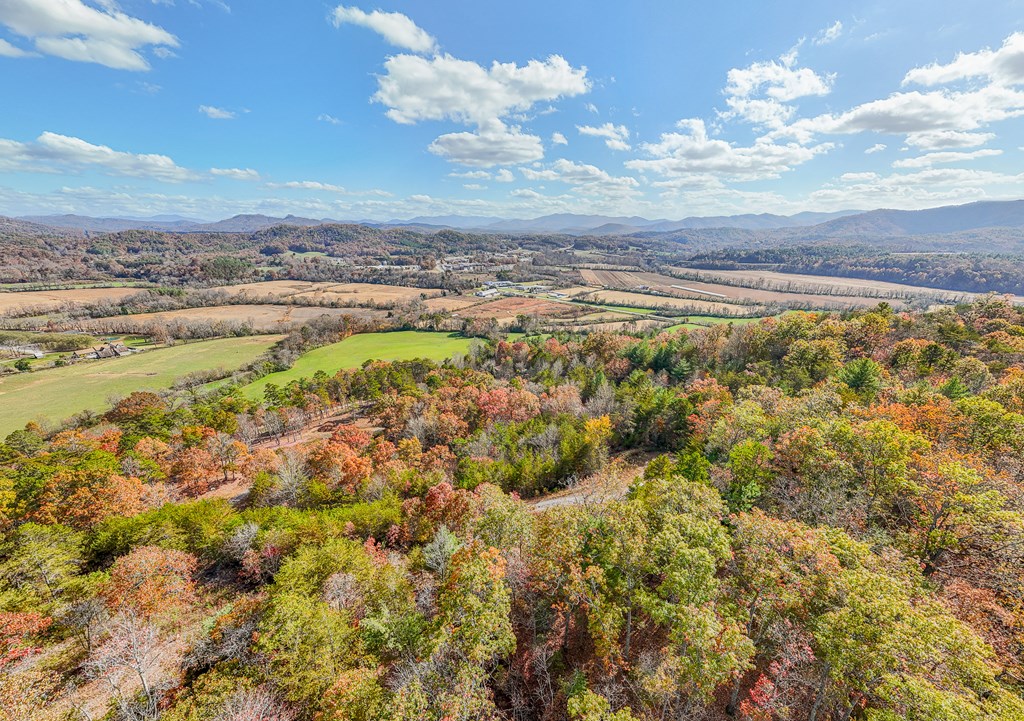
(50,299)
(260,317)
(716,292)
(818,283)
(368,292)
(330,292)
(625,298)
(506,309)
(452,302)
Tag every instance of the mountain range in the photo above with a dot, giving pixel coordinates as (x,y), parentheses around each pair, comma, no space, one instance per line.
(842,224)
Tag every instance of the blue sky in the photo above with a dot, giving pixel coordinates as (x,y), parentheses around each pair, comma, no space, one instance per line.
(206,109)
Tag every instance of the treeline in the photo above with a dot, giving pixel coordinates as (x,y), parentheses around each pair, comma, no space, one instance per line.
(966,272)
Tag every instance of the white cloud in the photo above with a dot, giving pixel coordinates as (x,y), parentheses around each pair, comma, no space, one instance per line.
(829,34)
(587,178)
(858,177)
(936,139)
(217,113)
(693,152)
(396,28)
(235,173)
(443,87)
(505,176)
(474,186)
(759,93)
(591,108)
(929,159)
(922,189)
(494,144)
(72,30)
(917,114)
(558,139)
(615,136)
(1003,66)
(51,152)
(325,118)
(9,51)
(876,148)
(472,174)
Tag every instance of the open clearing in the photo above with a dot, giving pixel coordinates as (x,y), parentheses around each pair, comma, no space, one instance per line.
(50,299)
(622,297)
(506,309)
(821,283)
(452,302)
(332,292)
(717,291)
(263,318)
(356,350)
(59,393)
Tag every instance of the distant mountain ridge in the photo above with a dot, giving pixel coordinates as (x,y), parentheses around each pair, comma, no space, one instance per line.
(808,225)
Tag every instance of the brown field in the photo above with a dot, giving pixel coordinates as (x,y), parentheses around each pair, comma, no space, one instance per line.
(854,286)
(506,309)
(280,288)
(262,317)
(577,290)
(707,307)
(452,302)
(368,293)
(50,299)
(341,292)
(717,291)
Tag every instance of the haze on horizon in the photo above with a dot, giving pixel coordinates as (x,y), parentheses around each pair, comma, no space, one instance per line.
(207,109)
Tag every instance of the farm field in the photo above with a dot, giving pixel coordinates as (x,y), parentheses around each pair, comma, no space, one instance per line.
(368,293)
(775,279)
(263,318)
(506,309)
(341,292)
(356,350)
(706,306)
(718,291)
(50,299)
(59,393)
(452,302)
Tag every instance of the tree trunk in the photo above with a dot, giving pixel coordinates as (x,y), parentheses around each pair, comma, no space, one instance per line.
(819,697)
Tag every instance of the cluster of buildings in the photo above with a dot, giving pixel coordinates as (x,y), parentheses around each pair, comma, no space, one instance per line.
(493,288)
(107,350)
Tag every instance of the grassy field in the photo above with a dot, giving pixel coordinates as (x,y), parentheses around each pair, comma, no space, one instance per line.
(356,350)
(59,393)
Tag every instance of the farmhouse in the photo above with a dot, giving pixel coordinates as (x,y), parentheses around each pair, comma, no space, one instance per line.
(488,293)
(108,350)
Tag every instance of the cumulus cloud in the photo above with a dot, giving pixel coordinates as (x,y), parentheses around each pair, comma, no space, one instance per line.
(918,115)
(216,113)
(395,28)
(494,144)
(693,152)
(558,139)
(929,159)
(615,136)
(72,30)
(51,152)
(9,51)
(760,92)
(586,178)
(829,34)
(235,173)
(936,139)
(414,88)
(1004,66)
(876,148)
(505,176)
(925,188)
